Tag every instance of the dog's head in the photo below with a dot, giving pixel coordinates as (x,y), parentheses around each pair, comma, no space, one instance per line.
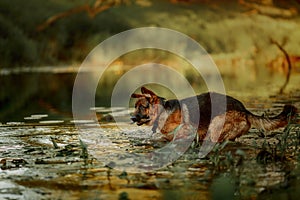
(147,107)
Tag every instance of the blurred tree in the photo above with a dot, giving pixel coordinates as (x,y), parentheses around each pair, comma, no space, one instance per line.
(92,10)
(287,57)
(267,7)
(97,7)
(15,47)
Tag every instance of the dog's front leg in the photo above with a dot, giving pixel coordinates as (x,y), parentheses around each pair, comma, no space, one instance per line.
(155,126)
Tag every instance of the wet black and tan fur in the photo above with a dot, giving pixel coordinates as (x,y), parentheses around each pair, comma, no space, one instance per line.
(226,122)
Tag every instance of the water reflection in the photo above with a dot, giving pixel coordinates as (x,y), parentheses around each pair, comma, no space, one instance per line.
(25,95)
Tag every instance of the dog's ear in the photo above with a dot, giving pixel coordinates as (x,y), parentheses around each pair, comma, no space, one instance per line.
(140,95)
(146,91)
(167,105)
(136,95)
(171,104)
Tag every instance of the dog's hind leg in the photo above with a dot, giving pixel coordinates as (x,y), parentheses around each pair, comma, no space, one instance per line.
(228,126)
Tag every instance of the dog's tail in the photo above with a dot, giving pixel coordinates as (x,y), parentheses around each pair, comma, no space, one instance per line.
(272,123)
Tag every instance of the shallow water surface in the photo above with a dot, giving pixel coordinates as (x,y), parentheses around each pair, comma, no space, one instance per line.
(43,155)
(48,161)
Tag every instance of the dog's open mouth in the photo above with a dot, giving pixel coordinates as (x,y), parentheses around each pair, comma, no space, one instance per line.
(141,121)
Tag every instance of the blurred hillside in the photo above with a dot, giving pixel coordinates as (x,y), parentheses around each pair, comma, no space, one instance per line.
(238,28)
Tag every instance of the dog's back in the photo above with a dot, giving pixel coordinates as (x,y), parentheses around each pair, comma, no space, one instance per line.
(224,117)
(204,107)
(218,116)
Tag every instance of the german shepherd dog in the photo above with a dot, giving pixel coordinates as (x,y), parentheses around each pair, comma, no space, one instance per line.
(216,125)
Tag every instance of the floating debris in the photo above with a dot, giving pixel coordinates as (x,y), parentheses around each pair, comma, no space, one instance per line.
(15,123)
(83,121)
(36,117)
(52,122)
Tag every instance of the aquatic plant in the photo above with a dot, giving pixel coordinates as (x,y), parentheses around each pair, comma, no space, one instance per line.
(215,155)
(84,152)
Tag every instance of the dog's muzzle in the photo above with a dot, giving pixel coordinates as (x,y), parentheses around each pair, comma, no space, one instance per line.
(140,120)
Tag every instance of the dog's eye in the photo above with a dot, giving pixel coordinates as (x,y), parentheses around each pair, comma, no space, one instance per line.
(146,106)
(143,107)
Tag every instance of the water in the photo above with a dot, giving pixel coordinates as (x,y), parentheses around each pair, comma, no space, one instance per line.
(42,157)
